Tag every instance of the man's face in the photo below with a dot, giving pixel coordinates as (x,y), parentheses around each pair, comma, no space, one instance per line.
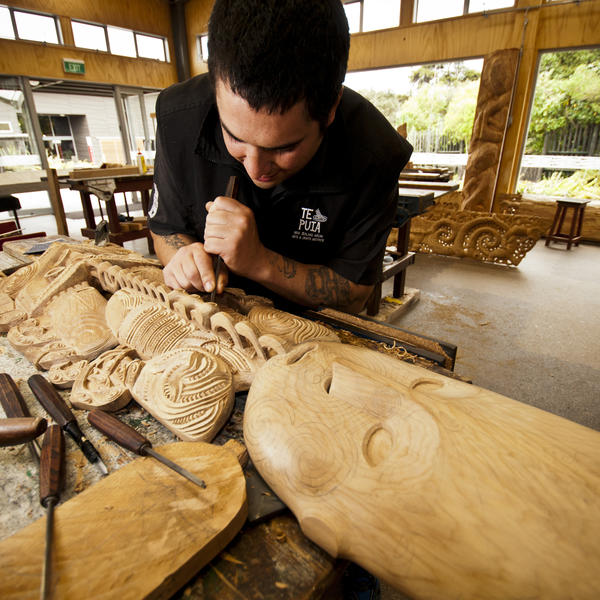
(272,147)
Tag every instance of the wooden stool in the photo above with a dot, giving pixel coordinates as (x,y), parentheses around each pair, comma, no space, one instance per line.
(574,235)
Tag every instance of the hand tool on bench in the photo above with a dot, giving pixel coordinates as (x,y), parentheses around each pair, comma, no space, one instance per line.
(14,406)
(20,430)
(51,481)
(129,438)
(57,408)
(230,192)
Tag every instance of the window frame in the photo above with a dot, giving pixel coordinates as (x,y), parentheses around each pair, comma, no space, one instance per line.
(135,33)
(12,10)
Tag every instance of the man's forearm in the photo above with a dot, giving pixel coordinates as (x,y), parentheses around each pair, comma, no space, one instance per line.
(166,246)
(312,285)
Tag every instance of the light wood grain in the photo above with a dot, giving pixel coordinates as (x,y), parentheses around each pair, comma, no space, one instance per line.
(441,488)
(142,532)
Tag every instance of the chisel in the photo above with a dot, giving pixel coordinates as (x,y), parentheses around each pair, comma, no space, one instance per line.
(51,481)
(57,408)
(20,430)
(129,438)
(14,406)
(230,192)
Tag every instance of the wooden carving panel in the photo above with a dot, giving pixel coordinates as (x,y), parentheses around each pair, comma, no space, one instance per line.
(491,114)
(142,532)
(441,488)
(496,238)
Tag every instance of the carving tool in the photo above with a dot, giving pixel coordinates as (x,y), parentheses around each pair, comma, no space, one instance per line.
(230,192)
(20,430)
(57,408)
(129,438)
(51,481)
(14,406)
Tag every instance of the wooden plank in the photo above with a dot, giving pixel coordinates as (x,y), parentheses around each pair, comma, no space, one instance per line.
(82,174)
(9,264)
(56,202)
(141,532)
(19,248)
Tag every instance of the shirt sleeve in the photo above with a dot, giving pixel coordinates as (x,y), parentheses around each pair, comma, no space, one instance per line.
(168,212)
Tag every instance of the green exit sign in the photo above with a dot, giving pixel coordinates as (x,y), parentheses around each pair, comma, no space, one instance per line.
(71,65)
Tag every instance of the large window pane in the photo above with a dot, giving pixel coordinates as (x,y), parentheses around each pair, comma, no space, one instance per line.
(6,28)
(381,14)
(17,148)
(39,28)
(481,5)
(150,46)
(89,36)
(121,41)
(562,151)
(432,10)
(353,15)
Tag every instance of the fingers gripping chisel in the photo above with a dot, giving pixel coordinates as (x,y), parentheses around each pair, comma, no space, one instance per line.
(57,408)
(230,192)
(132,440)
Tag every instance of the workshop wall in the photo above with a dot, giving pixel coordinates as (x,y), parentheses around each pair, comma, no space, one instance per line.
(35,59)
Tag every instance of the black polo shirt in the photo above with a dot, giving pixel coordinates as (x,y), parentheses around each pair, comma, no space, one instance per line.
(337,211)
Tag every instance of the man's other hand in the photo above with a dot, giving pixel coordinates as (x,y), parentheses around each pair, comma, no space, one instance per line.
(191,268)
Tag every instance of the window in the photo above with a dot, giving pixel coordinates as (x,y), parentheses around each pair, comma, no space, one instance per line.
(203,47)
(117,40)
(150,46)
(89,36)
(371,15)
(6,28)
(121,41)
(482,5)
(380,14)
(432,10)
(353,10)
(35,27)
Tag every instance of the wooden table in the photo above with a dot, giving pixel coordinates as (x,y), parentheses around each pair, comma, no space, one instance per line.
(123,183)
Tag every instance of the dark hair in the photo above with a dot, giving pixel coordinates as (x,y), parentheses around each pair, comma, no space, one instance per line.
(275,53)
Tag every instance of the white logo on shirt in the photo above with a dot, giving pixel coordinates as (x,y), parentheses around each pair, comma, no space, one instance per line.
(309,225)
(154,208)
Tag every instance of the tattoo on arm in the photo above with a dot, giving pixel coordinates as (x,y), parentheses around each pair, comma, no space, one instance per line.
(175,240)
(327,287)
(284,265)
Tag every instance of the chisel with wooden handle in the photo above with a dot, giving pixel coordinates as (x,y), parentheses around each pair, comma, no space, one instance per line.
(51,483)
(230,192)
(132,440)
(14,405)
(57,408)
(20,430)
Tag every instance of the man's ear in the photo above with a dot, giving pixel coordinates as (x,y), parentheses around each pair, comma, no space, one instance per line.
(331,115)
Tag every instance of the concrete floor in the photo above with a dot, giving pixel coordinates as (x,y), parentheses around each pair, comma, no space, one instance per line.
(530,332)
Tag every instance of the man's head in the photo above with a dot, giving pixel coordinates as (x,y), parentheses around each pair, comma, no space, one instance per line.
(276,53)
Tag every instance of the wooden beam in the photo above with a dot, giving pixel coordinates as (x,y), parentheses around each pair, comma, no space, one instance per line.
(56,202)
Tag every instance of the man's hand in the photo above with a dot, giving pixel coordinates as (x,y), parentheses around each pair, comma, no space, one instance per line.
(190,268)
(231,233)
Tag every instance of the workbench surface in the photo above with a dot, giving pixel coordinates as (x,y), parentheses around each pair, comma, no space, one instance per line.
(272,559)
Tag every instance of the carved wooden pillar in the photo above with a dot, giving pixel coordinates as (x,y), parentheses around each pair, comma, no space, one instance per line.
(488,129)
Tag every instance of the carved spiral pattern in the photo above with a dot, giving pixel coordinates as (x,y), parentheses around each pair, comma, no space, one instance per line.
(188,390)
(483,239)
(288,326)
